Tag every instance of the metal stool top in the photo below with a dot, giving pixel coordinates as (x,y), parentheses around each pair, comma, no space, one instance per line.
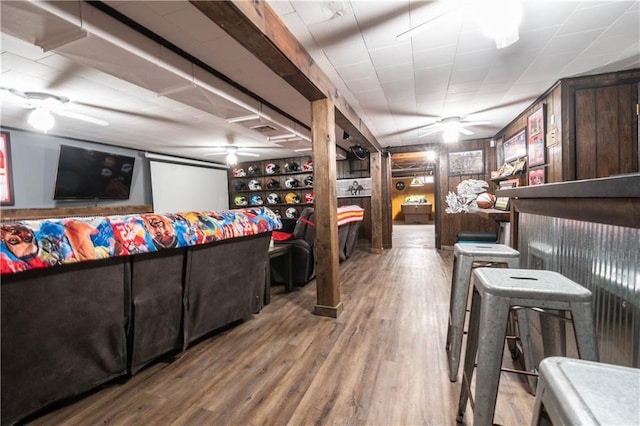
(480,249)
(531,284)
(586,392)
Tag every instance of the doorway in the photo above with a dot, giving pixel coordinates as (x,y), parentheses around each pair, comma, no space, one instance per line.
(414,193)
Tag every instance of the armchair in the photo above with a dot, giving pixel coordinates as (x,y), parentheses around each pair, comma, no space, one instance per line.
(302,250)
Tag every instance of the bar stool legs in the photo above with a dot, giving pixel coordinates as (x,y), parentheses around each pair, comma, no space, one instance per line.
(495,293)
(466,258)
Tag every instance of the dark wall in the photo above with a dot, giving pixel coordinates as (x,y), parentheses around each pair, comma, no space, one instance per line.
(449,225)
(591,126)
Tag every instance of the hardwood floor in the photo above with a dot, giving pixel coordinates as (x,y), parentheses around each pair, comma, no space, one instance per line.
(382,362)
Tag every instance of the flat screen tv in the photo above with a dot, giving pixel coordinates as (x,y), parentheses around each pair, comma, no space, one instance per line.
(89,174)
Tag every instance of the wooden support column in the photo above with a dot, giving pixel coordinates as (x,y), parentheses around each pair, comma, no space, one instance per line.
(376,202)
(326,208)
(387,226)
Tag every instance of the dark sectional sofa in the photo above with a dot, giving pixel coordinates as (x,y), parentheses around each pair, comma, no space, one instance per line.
(70,328)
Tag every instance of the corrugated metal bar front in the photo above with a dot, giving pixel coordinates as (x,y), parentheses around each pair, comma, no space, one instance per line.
(603,258)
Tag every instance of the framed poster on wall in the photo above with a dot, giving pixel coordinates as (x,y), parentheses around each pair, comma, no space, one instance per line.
(466,162)
(535,137)
(516,146)
(357,187)
(6,179)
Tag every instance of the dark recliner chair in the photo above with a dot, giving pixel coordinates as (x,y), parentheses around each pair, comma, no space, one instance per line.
(303,257)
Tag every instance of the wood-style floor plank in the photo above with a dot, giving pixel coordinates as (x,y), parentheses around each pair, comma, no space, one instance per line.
(382,362)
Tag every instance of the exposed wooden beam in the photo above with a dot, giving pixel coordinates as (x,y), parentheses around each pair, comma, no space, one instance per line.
(258,29)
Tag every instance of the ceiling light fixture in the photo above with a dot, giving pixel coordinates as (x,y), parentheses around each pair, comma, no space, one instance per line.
(431,155)
(232,158)
(500,20)
(417,181)
(41,119)
(450,135)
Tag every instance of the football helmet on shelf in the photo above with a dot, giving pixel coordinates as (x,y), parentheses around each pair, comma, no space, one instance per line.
(273,184)
(291,167)
(255,200)
(254,185)
(291,198)
(240,185)
(271,169)
(239,172)
(273,198)
(240,200)
(291,183)
(291,213)
(308,181)
(309,197)
(277,212)
(308,166)
(254,170)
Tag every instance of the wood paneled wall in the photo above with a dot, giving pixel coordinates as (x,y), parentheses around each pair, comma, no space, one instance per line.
(591,125)
(449,225)
(349,169)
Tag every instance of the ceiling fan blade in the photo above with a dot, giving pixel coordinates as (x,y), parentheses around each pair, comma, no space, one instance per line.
(475,123)
(246,154)
(82,117)
(431,131)
(465,131)
(423,26)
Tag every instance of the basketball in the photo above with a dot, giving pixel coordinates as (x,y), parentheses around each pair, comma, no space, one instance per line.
(486,200)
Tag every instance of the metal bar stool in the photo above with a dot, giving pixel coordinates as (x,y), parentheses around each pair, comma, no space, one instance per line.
(497,291)
(465,258)
(578,392)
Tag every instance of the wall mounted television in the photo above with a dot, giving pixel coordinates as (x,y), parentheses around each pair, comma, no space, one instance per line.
(89,174)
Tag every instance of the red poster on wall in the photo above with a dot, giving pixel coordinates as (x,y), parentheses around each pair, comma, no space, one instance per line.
(6,183)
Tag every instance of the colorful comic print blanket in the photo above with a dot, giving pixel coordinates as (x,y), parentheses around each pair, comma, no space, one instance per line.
(35,244)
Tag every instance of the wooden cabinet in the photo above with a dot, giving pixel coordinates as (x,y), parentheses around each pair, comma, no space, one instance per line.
(417,213)
(284,185)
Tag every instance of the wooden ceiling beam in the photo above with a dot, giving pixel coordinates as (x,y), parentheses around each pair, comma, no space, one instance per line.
(258,29)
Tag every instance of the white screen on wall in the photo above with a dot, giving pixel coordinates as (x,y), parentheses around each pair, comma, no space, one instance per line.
(178,187)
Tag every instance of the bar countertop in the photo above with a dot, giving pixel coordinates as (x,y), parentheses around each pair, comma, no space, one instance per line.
(613,200)
(623,186)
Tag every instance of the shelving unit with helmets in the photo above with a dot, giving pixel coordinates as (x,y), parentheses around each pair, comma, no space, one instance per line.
(285,185)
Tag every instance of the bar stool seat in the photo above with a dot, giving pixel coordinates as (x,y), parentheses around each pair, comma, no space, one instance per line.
(497,291)
(572,391)
(466,257)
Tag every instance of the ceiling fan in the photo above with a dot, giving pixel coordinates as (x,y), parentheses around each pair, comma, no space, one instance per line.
(43,104)
(452,127)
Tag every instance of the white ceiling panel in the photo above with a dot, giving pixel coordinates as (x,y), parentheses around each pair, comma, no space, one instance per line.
(450,68)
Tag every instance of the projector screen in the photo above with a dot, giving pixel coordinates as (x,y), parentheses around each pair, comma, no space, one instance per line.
(181,187)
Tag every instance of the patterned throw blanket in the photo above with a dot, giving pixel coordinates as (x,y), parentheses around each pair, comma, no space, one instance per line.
(348,214)
(35,244)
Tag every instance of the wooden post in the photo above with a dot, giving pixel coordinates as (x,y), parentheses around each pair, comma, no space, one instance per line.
(376,202)
(326,208)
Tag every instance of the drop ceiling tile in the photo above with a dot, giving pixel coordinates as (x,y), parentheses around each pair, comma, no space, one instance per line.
(167,7)
(536,15)
(344,54)
(24,65)
(387,56)
(599,16)
(395,72)
(434,75)
(357,71)
(434,57)
(571,43)
(364,84)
